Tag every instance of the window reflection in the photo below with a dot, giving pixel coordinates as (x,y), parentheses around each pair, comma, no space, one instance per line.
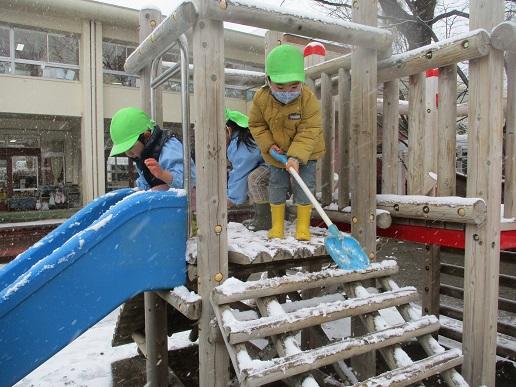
(30,45)
(5,42)
(25,173)
(63,49)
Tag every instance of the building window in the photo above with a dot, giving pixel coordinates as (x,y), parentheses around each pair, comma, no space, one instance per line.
(113,59)
(39,53)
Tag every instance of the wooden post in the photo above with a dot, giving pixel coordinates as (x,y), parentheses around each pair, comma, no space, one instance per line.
(510,138)
(390,137)
(430,132)
(415,175)
(328,124)
(312,60)
(482,265)
(344,136)
(210,141)
(363,164)
(447,128)
(155,307)
(431,278)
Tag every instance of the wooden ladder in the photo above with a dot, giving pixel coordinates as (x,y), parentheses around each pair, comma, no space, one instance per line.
(280,322)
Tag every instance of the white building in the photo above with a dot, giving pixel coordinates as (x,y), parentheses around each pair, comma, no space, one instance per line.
(62,79)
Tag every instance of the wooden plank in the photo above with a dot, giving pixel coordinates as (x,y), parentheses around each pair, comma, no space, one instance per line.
(190,307)
(339,350)
(211,163)
(505,345)
(418,371)
(457,314)
(232,292)
(482,265)
(510,139)
(240,331)
(471,45)
(328,124)
(390,137)
(383,218)
(453,209)
(344,136)
(458,271)
(454,291)
(416,137)
(447,127)
(430,345)
(443,53)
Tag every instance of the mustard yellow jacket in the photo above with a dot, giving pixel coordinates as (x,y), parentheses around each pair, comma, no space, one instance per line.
(295,127)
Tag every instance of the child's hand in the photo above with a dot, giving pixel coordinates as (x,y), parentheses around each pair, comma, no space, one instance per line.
(292,163)
(275,148)
(154,167)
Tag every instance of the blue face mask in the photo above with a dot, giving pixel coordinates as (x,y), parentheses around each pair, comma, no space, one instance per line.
(285,97)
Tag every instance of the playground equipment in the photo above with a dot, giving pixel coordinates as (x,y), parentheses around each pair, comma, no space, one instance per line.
(355,77)
(474,221)
(119,245)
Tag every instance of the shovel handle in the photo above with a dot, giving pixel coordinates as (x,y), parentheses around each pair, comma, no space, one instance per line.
(283,159)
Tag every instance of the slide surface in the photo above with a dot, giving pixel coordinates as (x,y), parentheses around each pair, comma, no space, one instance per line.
(119,245)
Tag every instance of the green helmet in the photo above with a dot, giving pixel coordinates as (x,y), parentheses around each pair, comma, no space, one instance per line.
(238,118)
(285,64)
(126,126)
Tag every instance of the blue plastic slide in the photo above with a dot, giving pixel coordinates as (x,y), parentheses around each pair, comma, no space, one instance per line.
(121,244)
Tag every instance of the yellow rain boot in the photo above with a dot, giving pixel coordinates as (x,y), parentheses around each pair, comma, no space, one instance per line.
(303,222)
(278,221)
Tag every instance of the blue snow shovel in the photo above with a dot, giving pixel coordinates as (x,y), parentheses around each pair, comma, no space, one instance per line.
(342,247)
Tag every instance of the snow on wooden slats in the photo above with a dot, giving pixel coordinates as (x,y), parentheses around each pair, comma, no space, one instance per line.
(430,345)
(274,324)
(286,343)
(234,290)
(277,369)
(417,371)
(186,301)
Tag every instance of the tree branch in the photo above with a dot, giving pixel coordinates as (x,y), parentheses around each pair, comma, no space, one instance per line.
(454,12)
(334,4)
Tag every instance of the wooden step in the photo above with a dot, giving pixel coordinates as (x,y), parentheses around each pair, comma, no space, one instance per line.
(186,301)
(240,331)
(234,290)
(257,373)
(417,371)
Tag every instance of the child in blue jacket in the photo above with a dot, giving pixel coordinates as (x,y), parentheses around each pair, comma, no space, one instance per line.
(158,156)
(245,160)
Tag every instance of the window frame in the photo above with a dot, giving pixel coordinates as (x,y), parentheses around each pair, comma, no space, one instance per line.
(13,60)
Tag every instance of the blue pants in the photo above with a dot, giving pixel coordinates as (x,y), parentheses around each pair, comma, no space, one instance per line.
(279,184)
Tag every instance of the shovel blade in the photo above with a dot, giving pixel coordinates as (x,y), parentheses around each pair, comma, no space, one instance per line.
(346,252)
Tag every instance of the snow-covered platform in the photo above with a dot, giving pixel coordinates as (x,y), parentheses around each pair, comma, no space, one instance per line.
(247,247)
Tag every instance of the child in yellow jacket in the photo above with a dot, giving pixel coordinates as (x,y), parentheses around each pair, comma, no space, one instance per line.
(286,117)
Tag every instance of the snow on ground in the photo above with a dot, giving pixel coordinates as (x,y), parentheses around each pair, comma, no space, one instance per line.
(87,361)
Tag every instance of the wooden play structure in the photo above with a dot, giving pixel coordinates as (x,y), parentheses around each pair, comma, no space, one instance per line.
(234,311)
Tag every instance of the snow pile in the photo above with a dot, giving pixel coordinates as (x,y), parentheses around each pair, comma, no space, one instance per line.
(187,295)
